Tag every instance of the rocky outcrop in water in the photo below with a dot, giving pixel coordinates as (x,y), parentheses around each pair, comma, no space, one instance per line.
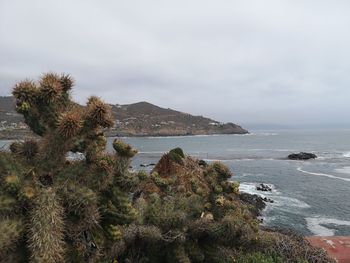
(302,156)
(264,187)
(257,202)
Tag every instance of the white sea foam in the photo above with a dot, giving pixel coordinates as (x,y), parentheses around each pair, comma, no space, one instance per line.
(265,134)
(281,202)
(347,154)
(254,159)
(189,136)
(325,175)
(217,160)
(333,154)
(259,150)
(238,159)
(157,152)
(344,170)
(316,225)
(249,188)
(285,202)
(78,156)
(268,220)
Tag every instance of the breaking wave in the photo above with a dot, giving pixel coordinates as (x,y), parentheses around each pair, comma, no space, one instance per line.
(316,225)
(344,170)
(281,202)
(325,175)
(346,155)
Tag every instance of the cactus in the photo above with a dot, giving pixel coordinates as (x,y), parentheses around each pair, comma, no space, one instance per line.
(123,149)
(178,255)
(117,208)
(73,208)
(8,205)
(69,125)
(46,228)
(10,230)
(97,210)
(98,113)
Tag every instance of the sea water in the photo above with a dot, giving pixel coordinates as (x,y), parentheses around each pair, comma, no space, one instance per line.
(311,197)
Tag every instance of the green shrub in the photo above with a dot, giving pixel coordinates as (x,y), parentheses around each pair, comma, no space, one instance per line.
(223,171)
(142,175)
(202,163)
(176,155)
(123,149)
(178,151)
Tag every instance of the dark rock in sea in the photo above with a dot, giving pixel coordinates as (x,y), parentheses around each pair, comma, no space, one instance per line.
(302,156)
(264,188)
(147,164)
(268,200)
(257,202)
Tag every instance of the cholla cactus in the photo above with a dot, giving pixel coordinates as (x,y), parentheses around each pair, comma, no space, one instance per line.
(96,210)
(123,149)
(99,114)
(27,149)
(11,231)
(63,202)
(69,125)
(46,228)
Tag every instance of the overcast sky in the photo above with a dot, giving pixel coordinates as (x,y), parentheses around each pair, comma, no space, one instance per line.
(273,61)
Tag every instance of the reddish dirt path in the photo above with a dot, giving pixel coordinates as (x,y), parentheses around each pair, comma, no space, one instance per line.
(337,247)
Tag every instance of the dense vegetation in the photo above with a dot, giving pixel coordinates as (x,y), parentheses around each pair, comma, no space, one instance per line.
(93,209)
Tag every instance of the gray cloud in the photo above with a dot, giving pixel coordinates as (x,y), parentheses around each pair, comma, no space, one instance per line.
(251,61)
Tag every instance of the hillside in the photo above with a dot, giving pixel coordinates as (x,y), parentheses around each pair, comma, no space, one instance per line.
(138,119)
(8,112)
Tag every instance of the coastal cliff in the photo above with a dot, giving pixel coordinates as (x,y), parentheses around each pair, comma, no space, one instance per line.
(137,119)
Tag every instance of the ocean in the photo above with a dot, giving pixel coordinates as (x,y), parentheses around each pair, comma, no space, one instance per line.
(311,197)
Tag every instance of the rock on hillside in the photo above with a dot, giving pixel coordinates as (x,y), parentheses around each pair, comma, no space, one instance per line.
(8,112)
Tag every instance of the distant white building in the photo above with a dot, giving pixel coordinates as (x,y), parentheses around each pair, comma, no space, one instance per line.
(214,123)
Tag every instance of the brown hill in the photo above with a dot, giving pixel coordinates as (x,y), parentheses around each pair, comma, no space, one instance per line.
(7,110)
(142,119)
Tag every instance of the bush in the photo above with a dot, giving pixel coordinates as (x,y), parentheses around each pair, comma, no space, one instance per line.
(202,163)
(178,151)
(142,174)
(259,258)
(223,171)
(123,149)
